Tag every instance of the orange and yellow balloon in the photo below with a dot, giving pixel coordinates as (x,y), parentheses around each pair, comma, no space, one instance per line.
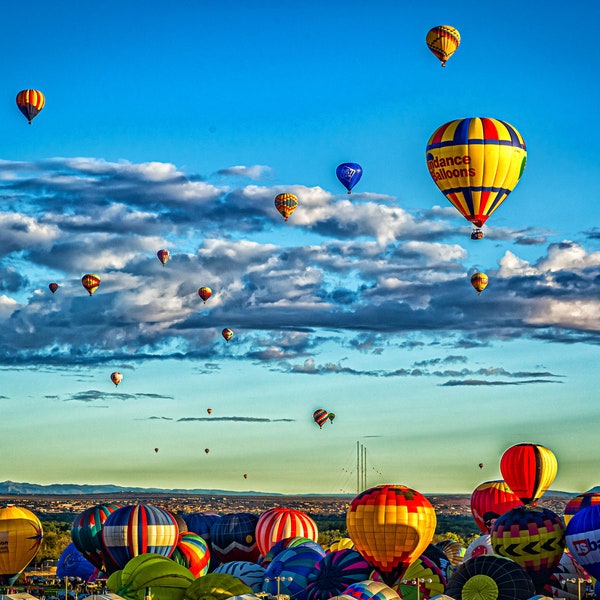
(227,333)
(116,378)
(443,41)
(479,281)
(90,282)
(476,163)
(30,103)
(163,255)
(286,204)
(529,470)
(391,525)
(205,293)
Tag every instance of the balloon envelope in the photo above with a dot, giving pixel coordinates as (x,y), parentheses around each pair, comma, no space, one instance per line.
(205,293)
(116,378)
(583,539)
(286,204)
(279,523)
(443,41)
(320,417)
(574,505)
(233,537)
(193,553)
(72,563)
(227,333)
(163,255)
(476,163)
(30,103)
(489,500)
(349,174)
(247,572)
(53,287)
(479,281)
(391,525)
(90,282)
(529,470)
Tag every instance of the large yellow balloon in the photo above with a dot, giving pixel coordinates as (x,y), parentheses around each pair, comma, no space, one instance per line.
(21,536)
(476,163)
(390,525)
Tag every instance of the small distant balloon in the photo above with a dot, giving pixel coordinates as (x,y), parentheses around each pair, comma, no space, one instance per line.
(156,450)
(30,103)
(53,287)
(481,465)
(320,417)
(331,417)
(443,41)
(227,333)
(205,293)
(116,378)
(90,282)
(286,204)
(163,255)
(349,175)
(245,475)
(209,411)
(479,281)
(206,450)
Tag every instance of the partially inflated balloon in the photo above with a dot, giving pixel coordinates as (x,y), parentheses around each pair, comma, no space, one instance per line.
(90,282)
(30,103)
(583,539)
(574,505)
(476,163)
(529,470)
(491,499)
(349,175)
(390,526)
(371,590)
(479,281)
(286,204)
(533,537)
(192,552)
(443,41)
(21,537)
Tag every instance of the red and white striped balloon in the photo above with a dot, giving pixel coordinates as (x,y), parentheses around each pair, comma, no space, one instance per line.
(279,523)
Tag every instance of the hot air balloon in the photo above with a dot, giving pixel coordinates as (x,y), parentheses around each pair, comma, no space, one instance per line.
(286,204)
(454,550)
(90,282)
(320,417)
(391,525)
(491,499)
(206,450)
(163,255)
(86,532)
(476,163)
(529,470)
(247,572)
(583,539)
(370,590)
(479,546)
(53,287)
(349,175)
(579,502)
(289,542)
(331,417)
(481,465)
(479,281)
(30,103)
(245,475)
(21,535)
(209,411)
(192,552)
(116,378)
(72,563)
(232,537)
(279,523)
(533,537)
(156,450)
(216,586)
(490,576)
(564,583)
(443,41)
(343,543)
(139,529)
(227,333)
(200,523)
(205,293)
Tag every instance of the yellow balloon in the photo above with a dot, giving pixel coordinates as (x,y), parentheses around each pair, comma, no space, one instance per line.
(21,536)
(476,163)
(443,41)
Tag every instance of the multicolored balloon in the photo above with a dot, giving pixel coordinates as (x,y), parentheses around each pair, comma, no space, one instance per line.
(247,572)
(479,281)
(193,553)
(90,282)
(21,533)
(139,529)
(344,543)
(227,333)
(286,204)
(574,505)
(279,523)
(349,174)
(335,572)
(390,526)
(86,532)
(233,537)
(476,163)
(490,576)
(533,537)
(116,378)
(163,255)
(30,103)
(320,417)
(567,579)
(479,546)
(443,41)
(489,500)
(371,590)
(529,470)
(583,539)
(290,542)
(205,293)
(454,550)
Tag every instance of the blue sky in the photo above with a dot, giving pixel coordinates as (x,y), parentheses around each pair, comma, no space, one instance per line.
(174,125)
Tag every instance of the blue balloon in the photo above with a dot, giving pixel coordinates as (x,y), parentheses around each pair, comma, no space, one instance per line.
(349,175)
(583,538)
(72,563)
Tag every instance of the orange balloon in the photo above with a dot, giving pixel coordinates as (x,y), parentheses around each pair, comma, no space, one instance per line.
(90,282)
(391,525)
(491,499)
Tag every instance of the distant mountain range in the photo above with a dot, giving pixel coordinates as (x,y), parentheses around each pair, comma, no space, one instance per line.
(8,488)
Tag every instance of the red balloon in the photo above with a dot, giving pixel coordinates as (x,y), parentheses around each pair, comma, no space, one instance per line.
(278,523)
(491,499)
(53,287)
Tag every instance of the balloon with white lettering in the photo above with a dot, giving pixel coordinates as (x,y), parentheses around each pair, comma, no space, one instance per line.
(349,175)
